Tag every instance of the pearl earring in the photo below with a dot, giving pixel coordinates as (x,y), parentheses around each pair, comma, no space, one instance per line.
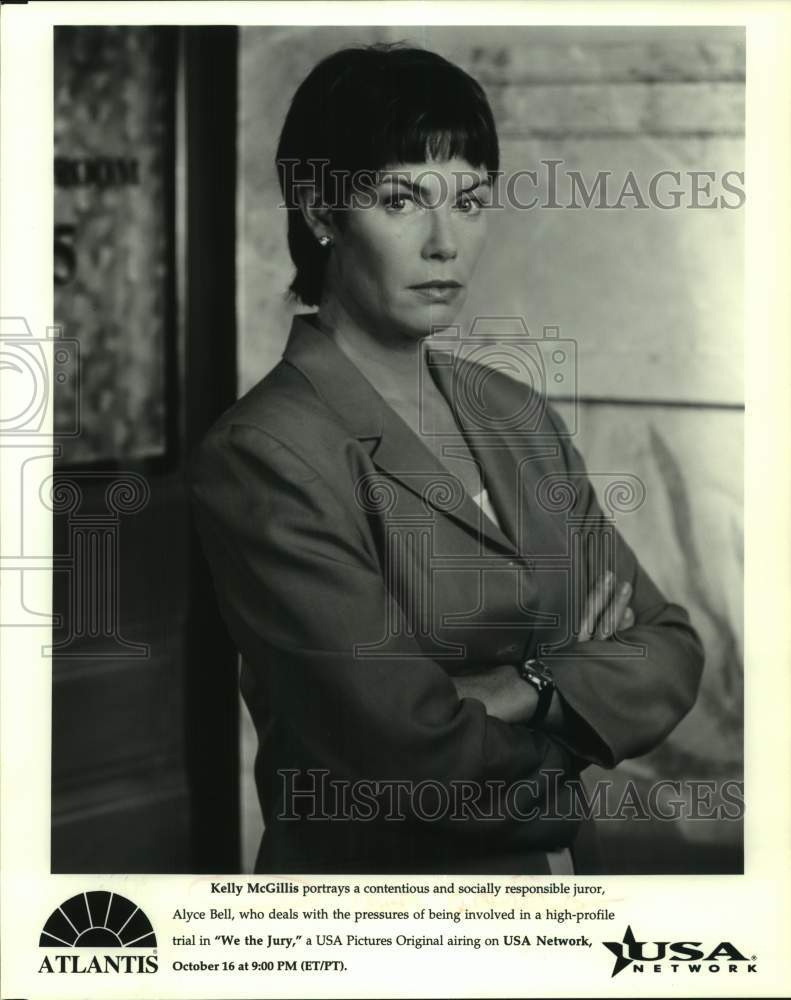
(325,241)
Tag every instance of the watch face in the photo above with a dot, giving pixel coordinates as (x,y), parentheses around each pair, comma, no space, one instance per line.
(540,674)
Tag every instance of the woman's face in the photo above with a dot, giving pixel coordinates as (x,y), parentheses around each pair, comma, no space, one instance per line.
(402,259)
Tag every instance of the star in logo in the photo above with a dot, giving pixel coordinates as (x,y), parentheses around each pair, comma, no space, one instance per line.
(622,959)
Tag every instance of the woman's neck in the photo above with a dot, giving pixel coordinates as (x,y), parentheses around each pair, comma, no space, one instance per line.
(383,360)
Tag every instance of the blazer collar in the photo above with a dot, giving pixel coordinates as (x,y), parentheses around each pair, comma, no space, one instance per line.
(335,379)
(396,449)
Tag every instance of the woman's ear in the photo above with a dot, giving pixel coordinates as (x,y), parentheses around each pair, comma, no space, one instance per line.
(317,216)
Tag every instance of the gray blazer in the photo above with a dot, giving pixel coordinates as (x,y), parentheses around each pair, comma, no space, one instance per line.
(357,577)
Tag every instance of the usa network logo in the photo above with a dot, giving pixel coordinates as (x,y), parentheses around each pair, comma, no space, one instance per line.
(673,956)
(98,933)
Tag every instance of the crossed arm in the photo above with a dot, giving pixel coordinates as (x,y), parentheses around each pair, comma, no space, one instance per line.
(505,695)
(300,595)
(614,706)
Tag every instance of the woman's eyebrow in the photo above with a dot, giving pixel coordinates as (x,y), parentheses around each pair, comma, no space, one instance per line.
(396,177)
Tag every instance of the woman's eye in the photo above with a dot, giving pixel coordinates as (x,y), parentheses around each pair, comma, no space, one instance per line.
(469,204)
(399,203)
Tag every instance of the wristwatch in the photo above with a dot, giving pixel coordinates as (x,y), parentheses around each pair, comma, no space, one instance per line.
(539,675)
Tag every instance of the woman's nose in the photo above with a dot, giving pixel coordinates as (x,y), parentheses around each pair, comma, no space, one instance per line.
(441,240)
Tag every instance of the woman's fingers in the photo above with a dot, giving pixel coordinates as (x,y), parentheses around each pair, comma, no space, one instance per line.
(613,616)
(597,601)
(606,609)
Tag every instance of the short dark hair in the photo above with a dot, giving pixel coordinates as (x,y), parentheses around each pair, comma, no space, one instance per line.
(362,109)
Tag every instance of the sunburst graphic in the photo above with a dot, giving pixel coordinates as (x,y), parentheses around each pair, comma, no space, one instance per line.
(98,920)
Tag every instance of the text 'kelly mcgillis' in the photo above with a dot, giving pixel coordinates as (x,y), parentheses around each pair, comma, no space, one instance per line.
(406,888)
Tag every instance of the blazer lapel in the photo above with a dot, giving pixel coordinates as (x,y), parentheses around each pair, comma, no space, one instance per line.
(504,450)
(476,412)
(404,457)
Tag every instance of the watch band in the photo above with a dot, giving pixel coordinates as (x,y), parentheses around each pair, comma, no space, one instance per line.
(539,676)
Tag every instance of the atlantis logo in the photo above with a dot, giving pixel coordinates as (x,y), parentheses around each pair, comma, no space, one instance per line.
(102,922)
(664,956)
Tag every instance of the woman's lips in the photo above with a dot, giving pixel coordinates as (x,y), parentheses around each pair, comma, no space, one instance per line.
(438,291)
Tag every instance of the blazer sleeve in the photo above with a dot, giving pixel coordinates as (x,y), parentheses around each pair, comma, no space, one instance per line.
(630,703)
(301,593)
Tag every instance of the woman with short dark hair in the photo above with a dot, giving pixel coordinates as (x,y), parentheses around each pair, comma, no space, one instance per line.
(440,630)
(361,110)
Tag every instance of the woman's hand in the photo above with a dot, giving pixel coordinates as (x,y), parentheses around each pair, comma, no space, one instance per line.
(503,693)
(606,609)
(506,696)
